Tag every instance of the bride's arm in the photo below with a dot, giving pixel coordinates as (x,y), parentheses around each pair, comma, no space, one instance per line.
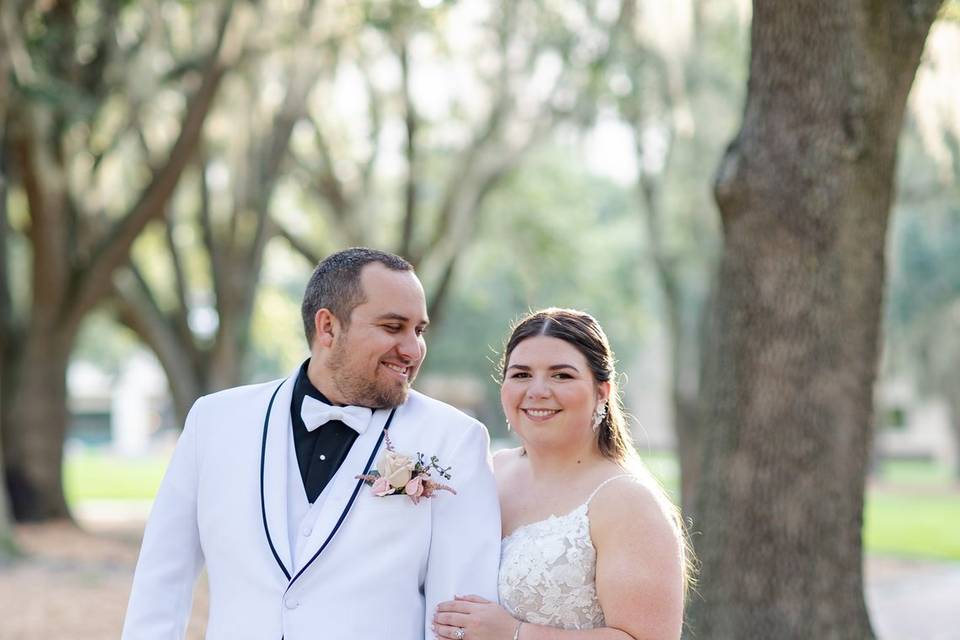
(640,563)
(639,578)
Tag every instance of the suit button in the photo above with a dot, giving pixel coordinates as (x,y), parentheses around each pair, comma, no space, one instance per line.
(291,603)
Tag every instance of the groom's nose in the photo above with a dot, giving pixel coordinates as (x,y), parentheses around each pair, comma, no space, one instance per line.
(410,347)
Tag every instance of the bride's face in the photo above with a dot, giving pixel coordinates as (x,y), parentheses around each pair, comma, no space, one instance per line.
(549,393)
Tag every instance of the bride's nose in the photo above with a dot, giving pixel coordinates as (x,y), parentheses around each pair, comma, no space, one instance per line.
(538,388)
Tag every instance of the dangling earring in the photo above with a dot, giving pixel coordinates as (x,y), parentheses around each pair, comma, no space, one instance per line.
(509,428)
(598,417)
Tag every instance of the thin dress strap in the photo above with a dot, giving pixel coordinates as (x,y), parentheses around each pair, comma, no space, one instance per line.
(605,482)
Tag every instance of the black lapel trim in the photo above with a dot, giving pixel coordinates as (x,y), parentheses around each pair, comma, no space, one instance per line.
(263,504)
(346,510)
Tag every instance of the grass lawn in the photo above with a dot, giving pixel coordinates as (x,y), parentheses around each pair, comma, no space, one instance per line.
(97,476)
(912,515)
(913,524)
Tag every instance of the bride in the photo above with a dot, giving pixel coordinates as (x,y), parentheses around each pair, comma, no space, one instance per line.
(592,548)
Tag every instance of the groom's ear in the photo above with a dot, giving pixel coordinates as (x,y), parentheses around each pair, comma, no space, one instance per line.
(325,325)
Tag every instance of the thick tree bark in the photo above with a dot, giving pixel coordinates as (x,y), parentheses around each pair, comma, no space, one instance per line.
(37,396)
(67,282)
(804,193)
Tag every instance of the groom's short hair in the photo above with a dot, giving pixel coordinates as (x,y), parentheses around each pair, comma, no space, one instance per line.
(335,284)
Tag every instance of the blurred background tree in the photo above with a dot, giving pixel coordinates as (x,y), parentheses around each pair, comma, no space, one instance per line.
(6,532)
(89,79)
(443,122)
(678,87)
(923,309)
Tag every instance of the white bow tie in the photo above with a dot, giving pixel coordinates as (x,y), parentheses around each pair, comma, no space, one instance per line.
(315,413)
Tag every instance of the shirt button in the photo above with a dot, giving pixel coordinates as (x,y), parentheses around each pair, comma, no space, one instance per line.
(290,603)
(306,531)
(322,457)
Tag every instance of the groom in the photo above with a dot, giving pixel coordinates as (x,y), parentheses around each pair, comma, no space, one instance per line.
(263,486)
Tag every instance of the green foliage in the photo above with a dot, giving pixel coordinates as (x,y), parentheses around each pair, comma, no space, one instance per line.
(923,293)
(103,342)
(950,11)
(554,236)
(278,341)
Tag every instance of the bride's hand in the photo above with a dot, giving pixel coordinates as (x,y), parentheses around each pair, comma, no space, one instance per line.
(479,618)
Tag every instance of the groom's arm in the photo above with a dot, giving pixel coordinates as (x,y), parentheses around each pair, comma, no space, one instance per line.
(170,556)
(465,543)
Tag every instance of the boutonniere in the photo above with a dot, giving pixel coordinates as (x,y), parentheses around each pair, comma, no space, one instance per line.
(397,474)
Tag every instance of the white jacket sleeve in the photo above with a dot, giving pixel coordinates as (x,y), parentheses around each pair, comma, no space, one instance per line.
(170,556)
(465,539)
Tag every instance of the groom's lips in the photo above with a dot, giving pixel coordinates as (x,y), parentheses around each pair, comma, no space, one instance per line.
(398,369)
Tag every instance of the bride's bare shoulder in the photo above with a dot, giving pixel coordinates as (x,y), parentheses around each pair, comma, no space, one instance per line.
(629,505)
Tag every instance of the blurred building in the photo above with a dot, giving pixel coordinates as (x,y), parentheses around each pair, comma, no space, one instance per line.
(124,411)
(911,426)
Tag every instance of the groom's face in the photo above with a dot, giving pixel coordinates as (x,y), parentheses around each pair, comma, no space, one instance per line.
(374,359)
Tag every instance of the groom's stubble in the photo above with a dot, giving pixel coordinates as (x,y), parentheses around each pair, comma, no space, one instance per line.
(359,386)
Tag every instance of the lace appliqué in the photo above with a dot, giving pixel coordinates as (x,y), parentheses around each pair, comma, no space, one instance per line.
(548,572)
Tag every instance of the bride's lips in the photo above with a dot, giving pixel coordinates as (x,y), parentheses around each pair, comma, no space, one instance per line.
(539,415)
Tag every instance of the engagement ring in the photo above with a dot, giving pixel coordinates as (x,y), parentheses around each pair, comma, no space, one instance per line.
(458,634)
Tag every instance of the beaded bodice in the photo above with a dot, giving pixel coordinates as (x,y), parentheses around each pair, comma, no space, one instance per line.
(548,571)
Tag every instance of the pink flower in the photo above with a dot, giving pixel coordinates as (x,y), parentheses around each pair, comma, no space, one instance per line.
(381,487)
(429,486)
(414,488)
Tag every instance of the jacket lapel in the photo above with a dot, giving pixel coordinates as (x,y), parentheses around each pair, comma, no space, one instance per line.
(342,486)
(273,473)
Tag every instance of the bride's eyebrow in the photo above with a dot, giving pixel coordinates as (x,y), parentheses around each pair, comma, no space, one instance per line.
(553,367)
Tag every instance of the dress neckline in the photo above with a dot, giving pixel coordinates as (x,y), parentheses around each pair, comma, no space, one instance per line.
(549,518)
(582,507)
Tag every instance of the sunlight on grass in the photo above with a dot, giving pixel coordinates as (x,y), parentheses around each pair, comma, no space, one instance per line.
(913,525)
(98,476)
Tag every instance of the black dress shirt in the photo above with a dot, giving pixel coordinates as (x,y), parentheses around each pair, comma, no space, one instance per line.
(319,452)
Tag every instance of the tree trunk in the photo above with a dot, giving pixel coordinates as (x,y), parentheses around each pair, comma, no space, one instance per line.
(35,420)
(804,193)
(7,547)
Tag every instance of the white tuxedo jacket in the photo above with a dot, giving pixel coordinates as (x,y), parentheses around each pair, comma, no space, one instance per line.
(370,567)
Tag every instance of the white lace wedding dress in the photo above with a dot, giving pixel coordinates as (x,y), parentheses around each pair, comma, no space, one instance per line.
(548,571)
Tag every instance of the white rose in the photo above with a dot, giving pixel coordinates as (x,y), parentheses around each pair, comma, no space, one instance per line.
(396,468)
